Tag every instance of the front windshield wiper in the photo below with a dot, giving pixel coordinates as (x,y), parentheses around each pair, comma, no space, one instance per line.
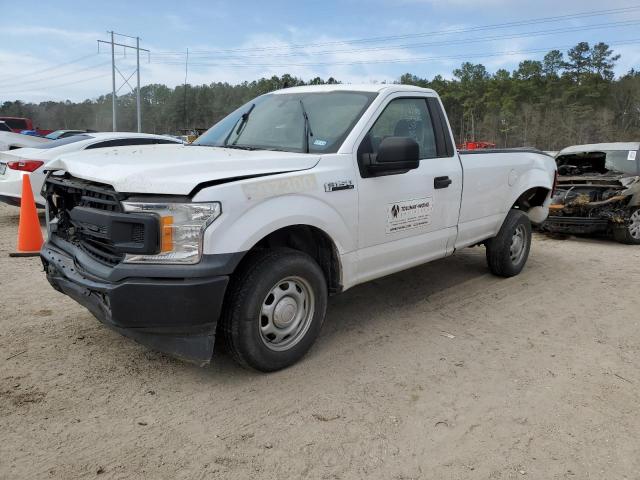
(307,127)
(241,147)
(242,122)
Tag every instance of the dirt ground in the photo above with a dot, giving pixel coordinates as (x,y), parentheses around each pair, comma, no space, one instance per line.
(443,372)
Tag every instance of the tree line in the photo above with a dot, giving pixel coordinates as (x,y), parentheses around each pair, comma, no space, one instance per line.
(567,98)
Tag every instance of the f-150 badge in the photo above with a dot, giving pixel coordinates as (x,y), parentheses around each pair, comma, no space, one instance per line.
(339,185)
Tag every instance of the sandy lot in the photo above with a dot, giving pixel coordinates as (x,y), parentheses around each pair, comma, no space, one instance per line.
(443,371)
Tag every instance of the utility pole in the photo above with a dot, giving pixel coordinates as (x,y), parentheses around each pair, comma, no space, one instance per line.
(114,69)
(184,103)
(138,86)
(113,81)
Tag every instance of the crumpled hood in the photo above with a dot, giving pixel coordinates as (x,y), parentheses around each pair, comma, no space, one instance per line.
(175,169)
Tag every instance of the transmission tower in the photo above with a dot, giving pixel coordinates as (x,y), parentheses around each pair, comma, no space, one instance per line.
(114,69)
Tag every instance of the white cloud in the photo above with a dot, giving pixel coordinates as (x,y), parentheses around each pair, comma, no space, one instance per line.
(630,58)
(176,22)
(459,3)
(38,31)
(281,58)
(552,7)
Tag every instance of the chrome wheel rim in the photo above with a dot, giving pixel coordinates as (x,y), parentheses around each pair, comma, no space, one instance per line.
(286,313)
(518,244)
(634,226)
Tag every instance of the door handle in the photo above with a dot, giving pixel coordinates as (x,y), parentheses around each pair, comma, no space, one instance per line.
(441,182)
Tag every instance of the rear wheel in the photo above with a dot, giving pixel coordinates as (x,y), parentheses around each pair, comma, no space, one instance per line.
(507,252)
(275,309)
(630,233)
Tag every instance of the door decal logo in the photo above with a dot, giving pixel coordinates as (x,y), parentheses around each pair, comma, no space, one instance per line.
(409,214)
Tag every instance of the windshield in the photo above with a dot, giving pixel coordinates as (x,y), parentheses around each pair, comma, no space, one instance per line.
(277,122)
(618,161)
(54,135)
(63,141)
(602,162)
(63,134)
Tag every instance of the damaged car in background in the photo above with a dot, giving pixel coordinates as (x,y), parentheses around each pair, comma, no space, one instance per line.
(598,192)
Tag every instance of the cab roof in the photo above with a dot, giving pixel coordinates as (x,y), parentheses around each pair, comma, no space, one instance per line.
(373,88)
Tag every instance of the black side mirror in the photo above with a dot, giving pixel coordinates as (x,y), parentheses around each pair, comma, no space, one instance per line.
(395,155)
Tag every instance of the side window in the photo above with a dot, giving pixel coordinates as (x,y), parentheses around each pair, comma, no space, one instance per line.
(105,144)
(405,117)
(125,142)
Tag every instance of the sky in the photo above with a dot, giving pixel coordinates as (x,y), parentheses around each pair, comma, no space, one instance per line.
(49,50)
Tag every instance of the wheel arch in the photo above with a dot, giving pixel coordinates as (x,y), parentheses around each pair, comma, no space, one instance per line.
(302,222)
(532,195)
(311,240)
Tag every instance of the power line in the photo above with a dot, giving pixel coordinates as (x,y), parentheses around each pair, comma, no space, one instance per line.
(411,60)
(48,69)
(48,87)
(367,49)
(92,67)
(622,24)
(518,23)
(388,61)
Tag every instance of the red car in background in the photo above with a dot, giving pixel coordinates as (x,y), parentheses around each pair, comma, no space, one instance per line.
(17,124)
(476,145)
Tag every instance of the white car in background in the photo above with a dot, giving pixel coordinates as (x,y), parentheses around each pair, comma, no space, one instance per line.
(58,134)
(12,140)
(32,161)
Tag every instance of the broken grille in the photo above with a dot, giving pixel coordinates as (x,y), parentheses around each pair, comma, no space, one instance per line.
(64,194)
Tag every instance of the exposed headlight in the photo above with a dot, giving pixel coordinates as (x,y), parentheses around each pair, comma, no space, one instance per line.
(182,227)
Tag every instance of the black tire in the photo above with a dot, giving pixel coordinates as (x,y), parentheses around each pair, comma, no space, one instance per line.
(243,319)
(629,234)
(500,258)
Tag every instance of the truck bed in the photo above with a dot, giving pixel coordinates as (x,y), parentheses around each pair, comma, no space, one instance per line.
(502,150)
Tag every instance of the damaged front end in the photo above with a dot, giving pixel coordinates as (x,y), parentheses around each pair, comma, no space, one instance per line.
(592,195)
(173,308)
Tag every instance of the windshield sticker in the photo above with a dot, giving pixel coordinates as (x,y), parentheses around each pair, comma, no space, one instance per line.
(281,186)
(632,155)
(320,143)
(409,214)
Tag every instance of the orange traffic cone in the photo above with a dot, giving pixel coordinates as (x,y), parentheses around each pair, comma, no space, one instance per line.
(29,234)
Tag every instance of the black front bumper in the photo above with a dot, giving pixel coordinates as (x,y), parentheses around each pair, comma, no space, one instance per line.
(173,309)
(576,225)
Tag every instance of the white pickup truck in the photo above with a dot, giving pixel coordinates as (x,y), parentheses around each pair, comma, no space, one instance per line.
(298,195)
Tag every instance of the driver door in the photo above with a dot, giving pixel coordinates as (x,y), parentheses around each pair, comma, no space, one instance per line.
(408,218)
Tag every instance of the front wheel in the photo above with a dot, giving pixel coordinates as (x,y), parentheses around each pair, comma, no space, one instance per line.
(507,252)
(629,233)
(275,309)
